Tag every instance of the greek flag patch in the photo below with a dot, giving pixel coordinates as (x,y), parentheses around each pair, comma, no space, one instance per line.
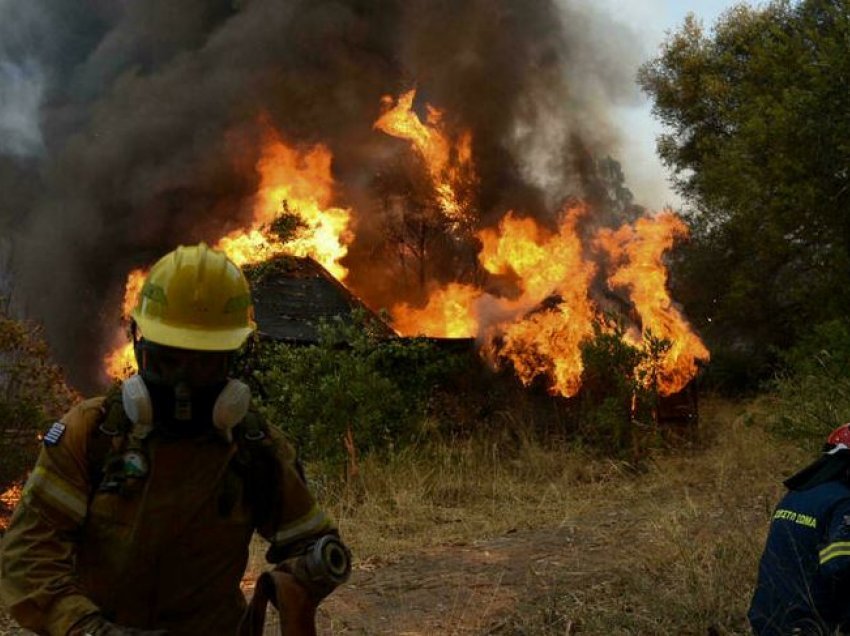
(54,434)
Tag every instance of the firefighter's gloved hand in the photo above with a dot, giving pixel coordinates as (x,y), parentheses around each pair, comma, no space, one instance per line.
(97,625)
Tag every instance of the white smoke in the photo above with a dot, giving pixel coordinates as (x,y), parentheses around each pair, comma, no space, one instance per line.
(24,28)
(21,91)
(557,109)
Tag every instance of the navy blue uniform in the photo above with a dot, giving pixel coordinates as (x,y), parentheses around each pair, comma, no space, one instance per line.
(804,574)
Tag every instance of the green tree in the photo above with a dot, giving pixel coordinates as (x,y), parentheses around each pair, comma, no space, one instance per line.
(758,138)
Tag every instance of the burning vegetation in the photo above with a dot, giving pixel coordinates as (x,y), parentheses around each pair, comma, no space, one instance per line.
(531,293)
(9,498)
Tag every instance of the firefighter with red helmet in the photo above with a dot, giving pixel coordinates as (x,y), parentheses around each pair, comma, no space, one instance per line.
(804,575)
(138,515)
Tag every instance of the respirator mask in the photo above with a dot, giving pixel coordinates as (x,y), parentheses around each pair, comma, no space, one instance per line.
(184,392)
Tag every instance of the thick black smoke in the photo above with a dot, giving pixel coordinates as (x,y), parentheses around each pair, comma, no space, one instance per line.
(132,126)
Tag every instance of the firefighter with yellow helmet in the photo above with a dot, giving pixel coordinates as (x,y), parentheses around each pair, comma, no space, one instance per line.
(139,513)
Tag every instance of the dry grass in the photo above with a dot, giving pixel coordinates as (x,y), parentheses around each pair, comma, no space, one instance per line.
(698,525)
(679,540)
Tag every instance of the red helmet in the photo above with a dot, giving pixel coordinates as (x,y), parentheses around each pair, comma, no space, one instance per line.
(838,439)
(832,465)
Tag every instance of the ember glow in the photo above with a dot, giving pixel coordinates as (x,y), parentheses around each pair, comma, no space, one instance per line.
(447,163)
(9,499)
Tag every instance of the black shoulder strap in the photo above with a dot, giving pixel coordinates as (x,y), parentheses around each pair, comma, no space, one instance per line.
(257,464)
(107,437)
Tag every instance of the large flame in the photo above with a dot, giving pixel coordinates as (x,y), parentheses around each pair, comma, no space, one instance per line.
(450,313)
(302,183)
(547,266)
(637,251)
(543,261)
(539,332)
(547,341)
(448,164)
(121,362)
(290,180)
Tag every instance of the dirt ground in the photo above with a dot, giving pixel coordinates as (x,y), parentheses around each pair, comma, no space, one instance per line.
(465,589)
(470,588)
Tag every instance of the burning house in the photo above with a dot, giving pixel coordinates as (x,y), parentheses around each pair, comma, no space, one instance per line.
(534,293)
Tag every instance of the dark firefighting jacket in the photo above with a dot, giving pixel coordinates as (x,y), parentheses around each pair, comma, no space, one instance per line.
(166,549)
(804,574)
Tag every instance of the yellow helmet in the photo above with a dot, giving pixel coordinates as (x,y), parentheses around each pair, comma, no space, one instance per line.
(196,298)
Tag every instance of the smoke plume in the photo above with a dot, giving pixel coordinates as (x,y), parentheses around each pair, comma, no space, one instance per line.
(127,128)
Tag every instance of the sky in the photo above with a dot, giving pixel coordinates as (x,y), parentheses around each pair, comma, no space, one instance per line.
(651,20)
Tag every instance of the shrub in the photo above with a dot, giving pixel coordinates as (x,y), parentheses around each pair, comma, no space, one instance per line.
(619,390)
(813,390)
(32,389)
(354,392)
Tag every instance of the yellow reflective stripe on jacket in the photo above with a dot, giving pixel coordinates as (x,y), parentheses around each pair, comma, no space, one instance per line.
(311,523)
(57,492)
(833,550)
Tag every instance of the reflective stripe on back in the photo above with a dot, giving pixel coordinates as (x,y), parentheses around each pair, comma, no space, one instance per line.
(833,550)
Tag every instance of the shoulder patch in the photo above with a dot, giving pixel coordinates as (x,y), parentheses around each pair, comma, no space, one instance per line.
(54,434)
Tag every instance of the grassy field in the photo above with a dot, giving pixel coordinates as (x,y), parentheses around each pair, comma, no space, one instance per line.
(671,548)
(503,535)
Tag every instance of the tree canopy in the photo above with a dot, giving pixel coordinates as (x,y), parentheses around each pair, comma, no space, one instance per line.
(758,138)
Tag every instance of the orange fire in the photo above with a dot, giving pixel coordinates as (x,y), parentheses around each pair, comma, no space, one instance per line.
(450,313)
(541,259)
(121,362)
(448,165)
(544,310)
(301,183)
(548,340)
(546,344)
(542,340)
(540,331)
(636,251)
(547,265)
(9,499)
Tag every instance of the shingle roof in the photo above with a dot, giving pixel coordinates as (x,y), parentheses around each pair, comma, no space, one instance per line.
(292,295)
